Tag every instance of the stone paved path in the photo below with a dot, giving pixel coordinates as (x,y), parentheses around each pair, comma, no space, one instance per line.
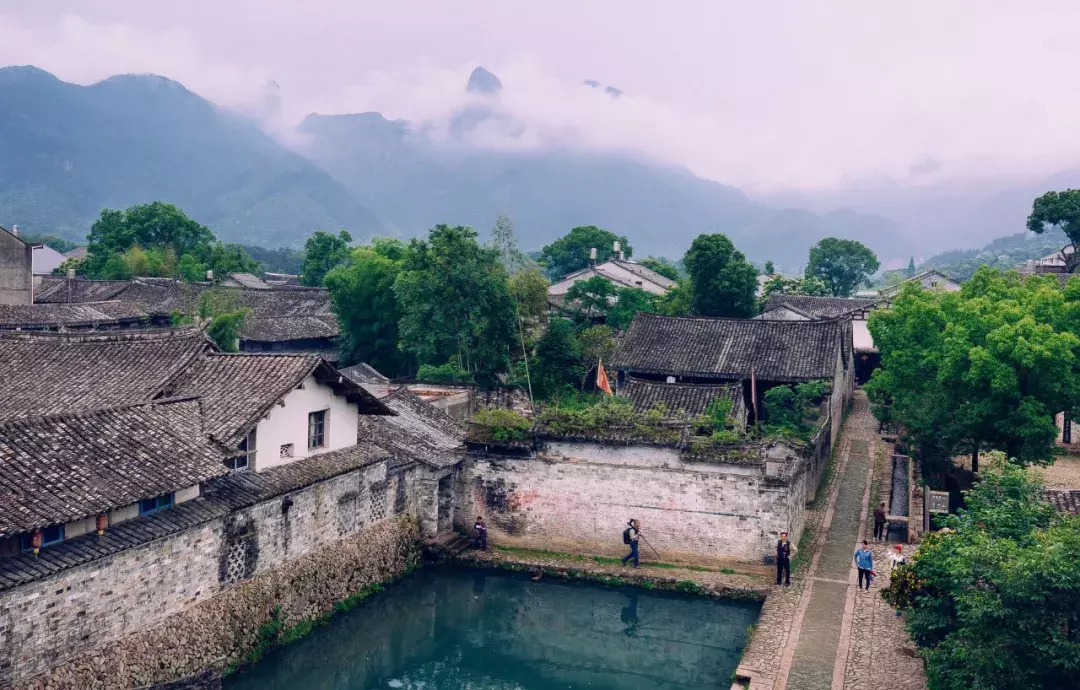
(821,633)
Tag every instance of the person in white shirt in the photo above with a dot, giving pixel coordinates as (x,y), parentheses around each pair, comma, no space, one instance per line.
(896,558)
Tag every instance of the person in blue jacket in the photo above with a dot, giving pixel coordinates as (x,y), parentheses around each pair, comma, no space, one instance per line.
(864,561)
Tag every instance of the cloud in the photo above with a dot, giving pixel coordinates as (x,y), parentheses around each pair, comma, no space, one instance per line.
(768,96)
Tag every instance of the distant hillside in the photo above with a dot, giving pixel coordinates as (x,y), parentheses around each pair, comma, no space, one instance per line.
(67,151)
(1004,253)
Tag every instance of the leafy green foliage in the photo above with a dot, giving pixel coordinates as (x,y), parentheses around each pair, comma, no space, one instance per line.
(1003,253)
(529,288)
(596,343)
(445,373)
(995,603)
(558,360)
(1059,210)
(770,269)
(608,416)
(629,301)
(662,266)
(280,260)
(322,252)
(363,297)
(592,297)
(51,241)
(224,320)
(793,410)
(504,425)
(779,285)
(455,302)
(983,368)
(724,283)
(148,238)
(842,265)
(570,252)
(505,243)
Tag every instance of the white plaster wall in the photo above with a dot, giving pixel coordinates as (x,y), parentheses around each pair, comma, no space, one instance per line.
(639,456)
(288,423)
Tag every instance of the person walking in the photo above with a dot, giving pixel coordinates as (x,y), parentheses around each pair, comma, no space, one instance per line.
(784,551)
(480,528)
(879,522)
(864,561)
(630,536)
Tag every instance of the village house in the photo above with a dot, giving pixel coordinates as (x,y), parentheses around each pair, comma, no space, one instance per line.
(684,399)
(620,272)
(16,268)
(932,279)
(154,475)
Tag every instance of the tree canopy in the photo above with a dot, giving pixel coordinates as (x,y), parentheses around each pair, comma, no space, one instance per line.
(842,265)
(570,252)
(455,303)
(983,368)
(322,252)
(558,360)
(1058,210)
(662,266)
(724,283)
(995,602)
(779,285)
(362,293)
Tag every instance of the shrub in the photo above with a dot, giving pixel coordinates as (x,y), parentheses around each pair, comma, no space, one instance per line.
(505,425)
(445,373)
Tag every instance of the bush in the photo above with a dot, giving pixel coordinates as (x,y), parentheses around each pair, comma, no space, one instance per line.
(609,416)
(446,373)
(505,425)
(792,411)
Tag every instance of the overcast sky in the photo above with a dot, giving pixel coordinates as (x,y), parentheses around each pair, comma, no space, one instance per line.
(767,95)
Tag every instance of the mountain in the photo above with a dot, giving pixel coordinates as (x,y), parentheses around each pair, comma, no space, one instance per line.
(67,151)
(1004,253)
(413,180)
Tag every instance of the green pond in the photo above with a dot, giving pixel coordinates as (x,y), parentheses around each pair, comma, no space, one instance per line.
(451,628)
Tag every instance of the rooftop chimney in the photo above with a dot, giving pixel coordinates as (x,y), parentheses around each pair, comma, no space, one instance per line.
(71,274)
(592,254)
(617,247)
(209,276)
(15,230)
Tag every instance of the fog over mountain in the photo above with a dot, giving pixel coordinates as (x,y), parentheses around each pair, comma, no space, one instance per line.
(920,127)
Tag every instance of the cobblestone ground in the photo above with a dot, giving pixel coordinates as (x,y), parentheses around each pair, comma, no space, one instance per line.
(821,633)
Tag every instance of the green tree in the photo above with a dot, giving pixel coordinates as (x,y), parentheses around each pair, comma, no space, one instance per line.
(366,306)
(662,266)
(769,268)
(558,360)
(981,369)
(779,285)
(591,298)
(505,242)
(596,343)
(995,603)
(724,283)
(116,268)
(455,302)
(529,289)
(841,264)
(677,301)
(911,267)
(629,301)
(322,252)
(570,252)
(1059,210)
(223,319)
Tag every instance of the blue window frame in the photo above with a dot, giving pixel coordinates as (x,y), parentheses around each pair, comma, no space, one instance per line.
(152,505)
(53,534)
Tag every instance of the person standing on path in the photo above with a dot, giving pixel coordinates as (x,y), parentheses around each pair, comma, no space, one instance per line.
(896,558)
(864,561)
(481,532)
(784,551)
(630,536)
(879,522)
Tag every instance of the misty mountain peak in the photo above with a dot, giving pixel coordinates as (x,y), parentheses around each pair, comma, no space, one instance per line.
(482,81)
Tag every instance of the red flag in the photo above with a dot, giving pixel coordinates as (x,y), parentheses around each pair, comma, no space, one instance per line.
(601,379)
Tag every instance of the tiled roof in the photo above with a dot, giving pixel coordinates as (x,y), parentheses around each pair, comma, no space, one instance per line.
(818,307)
(220,496)
(62,290)
(364,373)
(70,466)
(237,390)
(1065,500)
(691,399)
(285,328)
(646,273)
(50,373)
(249,280)
(89,314)
(418,431)
(729,349)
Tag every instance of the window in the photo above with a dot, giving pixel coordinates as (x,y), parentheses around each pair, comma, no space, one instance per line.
(286,451)
(1066,428)
(152,505)
(247,447)
(316,429)
(53,534)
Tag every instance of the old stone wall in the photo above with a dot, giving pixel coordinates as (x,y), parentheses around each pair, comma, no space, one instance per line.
(172,607)
(577,497)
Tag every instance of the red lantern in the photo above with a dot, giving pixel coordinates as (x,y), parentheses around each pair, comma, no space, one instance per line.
(35,541)
(102,523)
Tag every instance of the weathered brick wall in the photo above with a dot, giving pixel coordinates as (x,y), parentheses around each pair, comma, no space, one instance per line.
(577,498)
(175,606)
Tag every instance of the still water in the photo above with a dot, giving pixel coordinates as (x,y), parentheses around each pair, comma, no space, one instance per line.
(454,629)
